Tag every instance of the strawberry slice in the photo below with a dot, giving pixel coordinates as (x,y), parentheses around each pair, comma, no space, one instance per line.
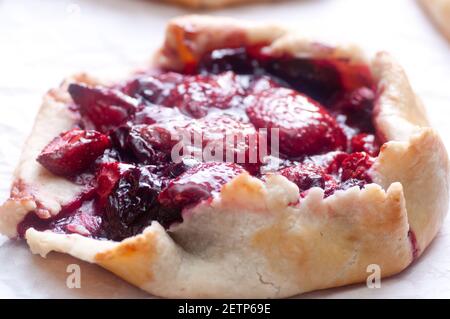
(305,127)
(235,140)
(198,94)
(212,138)
(103,107)
(73,152)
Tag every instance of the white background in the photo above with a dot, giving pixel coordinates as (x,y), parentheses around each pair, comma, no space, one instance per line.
(41,42)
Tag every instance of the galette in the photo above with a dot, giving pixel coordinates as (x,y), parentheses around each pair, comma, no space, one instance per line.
(245,161)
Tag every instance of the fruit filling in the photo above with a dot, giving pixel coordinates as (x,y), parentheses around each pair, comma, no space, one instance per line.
(162,142)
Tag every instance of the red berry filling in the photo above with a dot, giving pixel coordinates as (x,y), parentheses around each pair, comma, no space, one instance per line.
(129,133)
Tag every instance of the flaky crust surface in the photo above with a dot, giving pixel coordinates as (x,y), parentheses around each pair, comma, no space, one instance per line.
(439,12)
(254,240)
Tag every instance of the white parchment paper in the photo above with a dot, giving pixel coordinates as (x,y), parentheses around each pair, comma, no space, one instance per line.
(41,42)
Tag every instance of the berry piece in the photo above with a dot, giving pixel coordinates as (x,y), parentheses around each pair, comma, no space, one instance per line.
(308,175)
(141,144)
(209,139)
(357,105)
(151,143)
(173,170)
(228,134)
(104,108)
(133,204)
(364,142)
(221,60)
(156,89)
(198,94)
(305,127)
(198,183)
(317,78)
(331,162)
(107,177)
(355,101)
(193,95)
(305,176)
(355,166)
(73,152)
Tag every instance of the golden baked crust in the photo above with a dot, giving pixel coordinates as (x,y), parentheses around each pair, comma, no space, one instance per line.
(439,12)
(251,241)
